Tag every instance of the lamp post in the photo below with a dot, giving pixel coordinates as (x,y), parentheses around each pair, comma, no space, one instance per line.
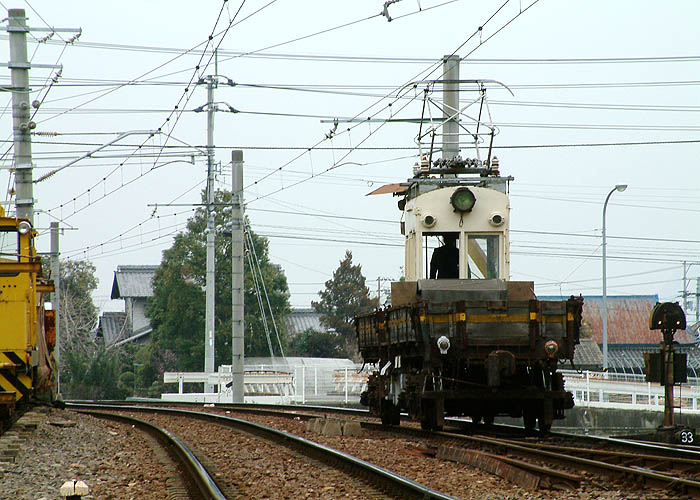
(619,187)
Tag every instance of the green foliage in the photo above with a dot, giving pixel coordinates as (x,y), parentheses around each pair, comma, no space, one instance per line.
(94,378)
(344,297)
(177,308)
(311,343)
(85,368)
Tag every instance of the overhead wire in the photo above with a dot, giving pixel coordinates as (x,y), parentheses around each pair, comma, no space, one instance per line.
(186,96)
(406,88)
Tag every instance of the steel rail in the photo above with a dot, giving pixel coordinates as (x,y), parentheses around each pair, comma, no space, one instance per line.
(646,476)
(197,475)
(398,486)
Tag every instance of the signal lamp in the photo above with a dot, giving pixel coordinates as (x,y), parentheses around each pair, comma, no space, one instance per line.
(667,316)
(463,200)
(551,348)
(24,227)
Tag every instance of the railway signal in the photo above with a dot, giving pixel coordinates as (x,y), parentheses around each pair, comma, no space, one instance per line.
(667,367)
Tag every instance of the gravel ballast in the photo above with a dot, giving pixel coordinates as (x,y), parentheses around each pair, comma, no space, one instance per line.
(115,460)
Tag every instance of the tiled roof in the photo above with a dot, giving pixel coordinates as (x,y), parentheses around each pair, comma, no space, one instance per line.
(133,281)
(587,355)
(300,320)
(112,326)
(628,320)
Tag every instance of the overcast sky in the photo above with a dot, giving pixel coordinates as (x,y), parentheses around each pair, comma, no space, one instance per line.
(583,74)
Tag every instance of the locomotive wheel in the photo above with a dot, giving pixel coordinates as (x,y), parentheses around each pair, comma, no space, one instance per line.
(488,419)
(529,420)
(475,418)
(390,413)
(431,415)
(543,427)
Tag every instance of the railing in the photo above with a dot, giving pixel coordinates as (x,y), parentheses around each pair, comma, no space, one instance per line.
(628,391)
(299,383)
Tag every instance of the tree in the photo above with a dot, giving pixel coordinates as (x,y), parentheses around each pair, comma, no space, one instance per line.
(344,297)
(78,318)
(177,308)
(78,314)
(318,345)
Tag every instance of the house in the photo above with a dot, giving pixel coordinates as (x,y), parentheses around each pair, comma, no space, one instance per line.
(134,285)
(300,320)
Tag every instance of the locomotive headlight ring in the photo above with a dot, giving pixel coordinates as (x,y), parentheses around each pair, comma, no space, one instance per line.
(463,200)
(443,344)
(429,220)
(24,227)
(551,348)
(496,219)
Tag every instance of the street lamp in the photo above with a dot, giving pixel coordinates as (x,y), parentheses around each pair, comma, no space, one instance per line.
(619,187)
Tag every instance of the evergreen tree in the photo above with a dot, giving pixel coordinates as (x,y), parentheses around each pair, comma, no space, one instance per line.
(344,297)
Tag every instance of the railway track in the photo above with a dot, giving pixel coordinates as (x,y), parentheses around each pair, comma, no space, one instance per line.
(381,483)
(555,461)
(193,481)
(640,465)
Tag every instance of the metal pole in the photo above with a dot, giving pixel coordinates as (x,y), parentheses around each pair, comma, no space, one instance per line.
(619,187)
(685,286)
(668,378)
(697,299)
(450,108)
(211,240)
(237,278)
(56,300)
(21,125)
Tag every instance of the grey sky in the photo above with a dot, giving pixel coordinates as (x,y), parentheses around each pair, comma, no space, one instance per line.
(556,190)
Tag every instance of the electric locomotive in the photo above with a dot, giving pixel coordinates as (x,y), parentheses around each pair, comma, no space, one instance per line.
(473,344)
(27,327)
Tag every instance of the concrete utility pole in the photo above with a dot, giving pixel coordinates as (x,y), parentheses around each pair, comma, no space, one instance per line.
(450,107)
(56,299)
(21,125)
(237,277)
(211,239)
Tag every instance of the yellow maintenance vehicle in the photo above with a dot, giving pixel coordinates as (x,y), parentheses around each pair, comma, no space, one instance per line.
(27,327)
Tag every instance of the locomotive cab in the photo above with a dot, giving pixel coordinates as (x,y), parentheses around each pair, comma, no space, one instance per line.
(473,212)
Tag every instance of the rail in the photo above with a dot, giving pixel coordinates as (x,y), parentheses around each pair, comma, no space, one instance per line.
(196,474)
(399,486)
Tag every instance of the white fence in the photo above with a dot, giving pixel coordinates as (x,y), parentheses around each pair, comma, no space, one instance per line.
(324,383)
(268,383)
(627,391)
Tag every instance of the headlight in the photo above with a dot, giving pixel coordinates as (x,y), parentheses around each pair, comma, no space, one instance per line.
(551,348)
(463,200)
(443,344)
(24,227)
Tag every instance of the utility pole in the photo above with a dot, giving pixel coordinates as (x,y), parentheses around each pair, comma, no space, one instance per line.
(697,298)
(450,107)
(21,124)
(237,279)
(209,346)
(685,286)
(56,299)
